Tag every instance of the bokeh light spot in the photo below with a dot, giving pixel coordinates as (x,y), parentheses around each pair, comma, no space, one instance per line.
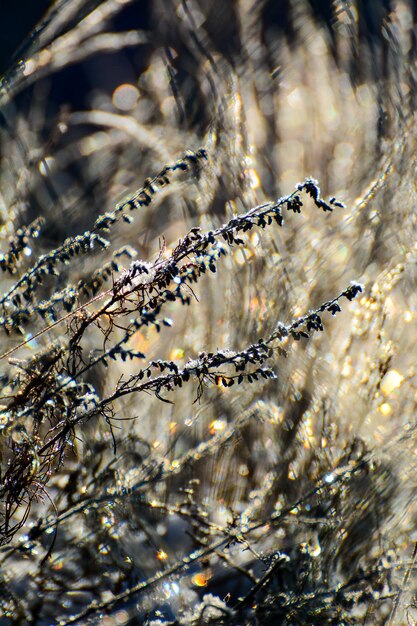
(125,97)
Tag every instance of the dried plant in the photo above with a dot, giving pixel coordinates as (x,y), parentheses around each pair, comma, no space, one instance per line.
(192,431)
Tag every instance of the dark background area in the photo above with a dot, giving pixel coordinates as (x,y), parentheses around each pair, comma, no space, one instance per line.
(17,20)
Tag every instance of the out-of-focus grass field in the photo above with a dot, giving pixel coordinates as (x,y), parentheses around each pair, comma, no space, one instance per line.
(290,501)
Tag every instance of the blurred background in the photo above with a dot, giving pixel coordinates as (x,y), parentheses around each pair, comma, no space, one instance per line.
(19,21)
(317,469)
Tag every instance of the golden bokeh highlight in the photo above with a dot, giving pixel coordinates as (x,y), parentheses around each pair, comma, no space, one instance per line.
(125,97)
